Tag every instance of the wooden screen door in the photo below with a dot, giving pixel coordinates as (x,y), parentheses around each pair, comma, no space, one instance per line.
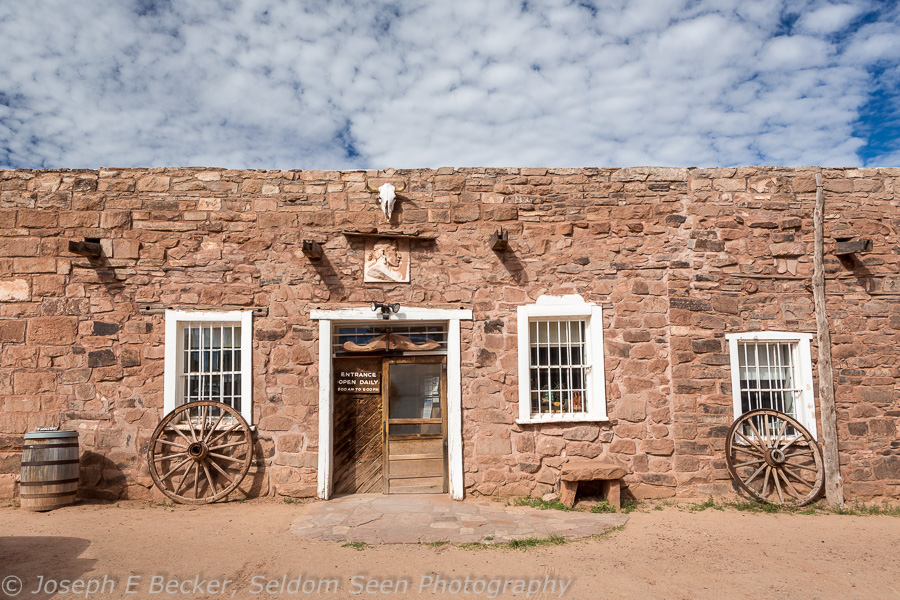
(414,397)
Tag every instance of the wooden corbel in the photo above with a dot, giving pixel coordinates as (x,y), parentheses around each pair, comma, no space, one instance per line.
(312,249)
(90,248)
(500,241)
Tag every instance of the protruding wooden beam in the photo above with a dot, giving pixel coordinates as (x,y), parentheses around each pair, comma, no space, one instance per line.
(853,246)
(312,249)
(500,241)
(89,249)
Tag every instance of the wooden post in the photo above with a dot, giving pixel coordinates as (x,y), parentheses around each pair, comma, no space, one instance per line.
(834,486)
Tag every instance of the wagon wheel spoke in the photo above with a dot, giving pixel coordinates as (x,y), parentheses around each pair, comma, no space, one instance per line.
(781,433)
(789,487)
(175,468)
(765,486)
(204,460)
(755,473)
(749,451)
(223,433)
(182,480)
(213,428)
(170,456)
(180,433)
(807,452)
(777,485)
(748,463)
(173,444)
(224,457)
(221,470)
(212,483)
(753,443)
(761,442)
(196,481)
(202,423)
(231,445)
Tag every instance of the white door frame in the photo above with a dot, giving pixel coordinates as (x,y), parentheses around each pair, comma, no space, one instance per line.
(454,385)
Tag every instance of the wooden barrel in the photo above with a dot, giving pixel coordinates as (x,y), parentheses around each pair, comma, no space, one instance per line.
(49,470)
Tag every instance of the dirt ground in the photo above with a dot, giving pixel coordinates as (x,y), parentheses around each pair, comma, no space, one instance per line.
(245,550)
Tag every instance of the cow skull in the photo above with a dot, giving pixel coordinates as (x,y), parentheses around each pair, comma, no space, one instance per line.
(387,196)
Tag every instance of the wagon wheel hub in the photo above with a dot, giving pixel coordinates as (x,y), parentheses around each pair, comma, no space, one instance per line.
(198,451)
(775,457)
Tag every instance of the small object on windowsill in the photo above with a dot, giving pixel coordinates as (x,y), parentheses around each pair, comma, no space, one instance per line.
(500,241)
(312,249)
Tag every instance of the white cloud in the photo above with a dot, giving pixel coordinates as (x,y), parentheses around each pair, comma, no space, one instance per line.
(829,18)
(349,84)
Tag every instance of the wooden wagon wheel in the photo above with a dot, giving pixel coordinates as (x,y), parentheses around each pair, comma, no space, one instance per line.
(774,459)
(200,452)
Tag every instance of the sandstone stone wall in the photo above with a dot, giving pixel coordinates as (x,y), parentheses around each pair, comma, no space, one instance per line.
(677,258)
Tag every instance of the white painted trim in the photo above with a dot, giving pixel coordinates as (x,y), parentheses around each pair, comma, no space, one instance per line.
(454,410)
(454,387)
(405,314)
(768,336)
(172,359)
(806,404)
(326,411)
(564,306)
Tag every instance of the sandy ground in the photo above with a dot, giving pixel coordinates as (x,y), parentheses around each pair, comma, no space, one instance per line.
(669,553)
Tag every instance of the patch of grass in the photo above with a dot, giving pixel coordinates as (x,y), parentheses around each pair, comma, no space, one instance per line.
(701,506)
(435,544)
(289,500)
(761,507)
(541,504)
(603,507)
(629,506)
(818,508)
(861,510)
(520,544)
(356,545)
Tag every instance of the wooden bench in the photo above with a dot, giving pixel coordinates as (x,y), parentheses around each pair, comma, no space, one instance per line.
(590,470)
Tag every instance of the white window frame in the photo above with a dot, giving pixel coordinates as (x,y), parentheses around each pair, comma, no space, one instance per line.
(805,405)
(571,306)
(174,318)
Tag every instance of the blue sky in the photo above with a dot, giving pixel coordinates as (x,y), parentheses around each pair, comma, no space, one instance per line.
(343,84)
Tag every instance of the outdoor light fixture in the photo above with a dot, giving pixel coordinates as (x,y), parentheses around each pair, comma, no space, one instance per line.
(386,309)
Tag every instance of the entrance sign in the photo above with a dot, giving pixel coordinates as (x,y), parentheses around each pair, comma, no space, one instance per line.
(357,381)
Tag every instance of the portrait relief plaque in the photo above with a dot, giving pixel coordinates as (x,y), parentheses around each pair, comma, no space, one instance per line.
(387,261)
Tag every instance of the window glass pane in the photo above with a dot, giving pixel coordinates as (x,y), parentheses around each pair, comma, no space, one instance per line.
(415,391)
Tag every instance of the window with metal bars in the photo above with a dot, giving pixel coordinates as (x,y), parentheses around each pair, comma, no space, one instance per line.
(773,370)
(767,376)
(210,363)
(208,357)
(557,371)
(561,375)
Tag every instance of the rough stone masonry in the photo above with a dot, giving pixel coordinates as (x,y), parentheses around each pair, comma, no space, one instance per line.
(677,257)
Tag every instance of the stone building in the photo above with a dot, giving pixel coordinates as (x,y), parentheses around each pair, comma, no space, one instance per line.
(652,282)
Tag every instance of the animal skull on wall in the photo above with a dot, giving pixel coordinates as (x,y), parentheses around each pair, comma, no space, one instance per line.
(387,197)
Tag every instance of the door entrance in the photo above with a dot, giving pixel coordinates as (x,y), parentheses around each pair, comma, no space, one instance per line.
(415,425)
(390,424)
